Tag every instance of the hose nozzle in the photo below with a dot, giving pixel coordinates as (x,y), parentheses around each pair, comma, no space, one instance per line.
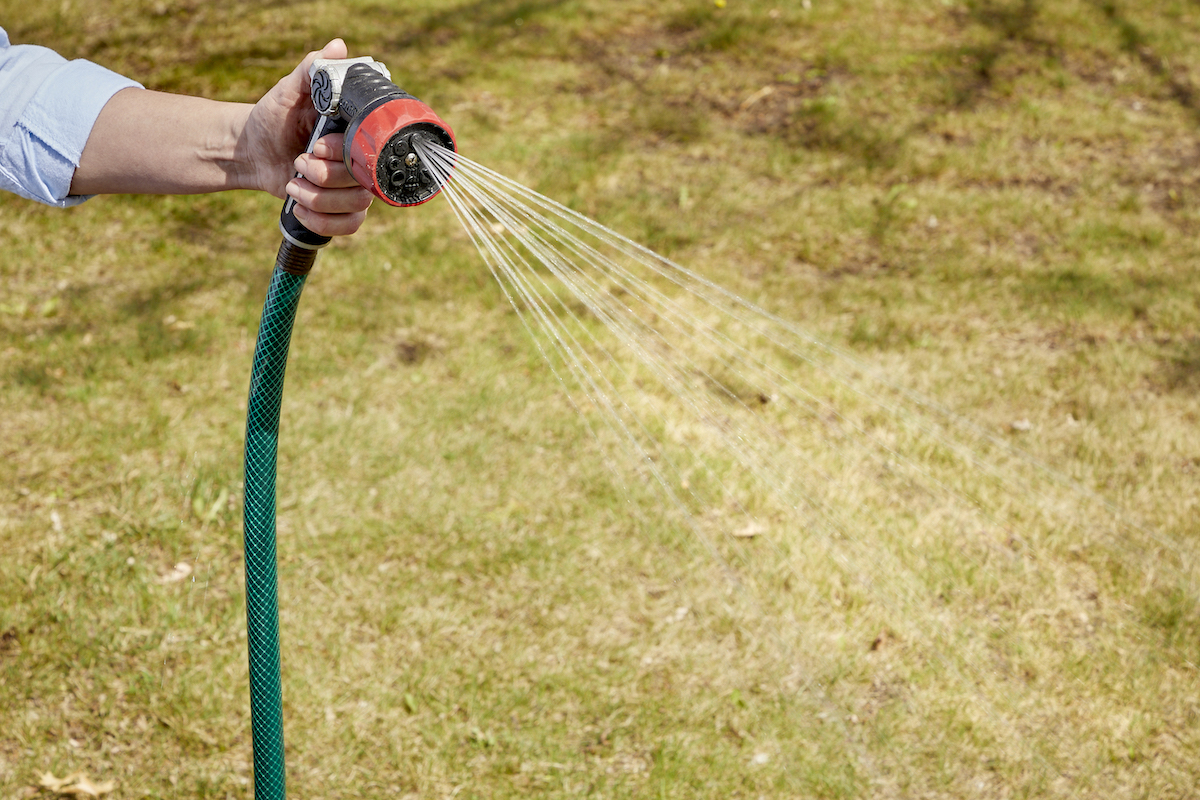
(382,122)
(383,125)
(381,151)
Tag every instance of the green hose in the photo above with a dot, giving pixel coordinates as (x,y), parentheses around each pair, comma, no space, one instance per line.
(262,440)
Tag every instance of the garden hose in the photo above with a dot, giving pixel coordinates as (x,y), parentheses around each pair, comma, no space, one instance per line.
(354,96)
(262,440)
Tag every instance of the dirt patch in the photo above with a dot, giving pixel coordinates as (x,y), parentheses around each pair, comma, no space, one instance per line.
(9,643)
(692,77)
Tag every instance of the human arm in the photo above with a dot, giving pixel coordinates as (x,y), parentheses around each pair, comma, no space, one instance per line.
(157,143)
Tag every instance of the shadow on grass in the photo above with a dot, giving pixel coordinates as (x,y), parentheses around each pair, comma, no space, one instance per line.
(826,124)
(1175,615)
(131,38)
(480,22)
(970,71)
(1183,369)
(1135,42)
(1074,292)
(1012,20)
(705,31)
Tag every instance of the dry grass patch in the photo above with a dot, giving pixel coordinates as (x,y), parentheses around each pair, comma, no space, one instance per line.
(989,203)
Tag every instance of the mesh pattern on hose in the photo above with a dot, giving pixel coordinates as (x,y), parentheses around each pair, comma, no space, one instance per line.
(262,603)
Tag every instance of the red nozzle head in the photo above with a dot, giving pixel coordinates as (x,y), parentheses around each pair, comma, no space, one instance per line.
(381,154)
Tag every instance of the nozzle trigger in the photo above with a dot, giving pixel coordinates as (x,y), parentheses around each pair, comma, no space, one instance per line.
(293,229)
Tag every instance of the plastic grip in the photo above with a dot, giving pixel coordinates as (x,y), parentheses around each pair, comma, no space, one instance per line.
(363,89)
(293,229)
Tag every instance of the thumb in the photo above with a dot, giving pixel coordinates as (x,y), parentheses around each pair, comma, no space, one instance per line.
(335,49)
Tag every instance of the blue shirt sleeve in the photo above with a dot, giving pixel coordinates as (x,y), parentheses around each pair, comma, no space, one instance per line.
(48,106)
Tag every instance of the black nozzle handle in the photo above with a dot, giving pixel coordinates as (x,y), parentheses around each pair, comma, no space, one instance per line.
(293,230)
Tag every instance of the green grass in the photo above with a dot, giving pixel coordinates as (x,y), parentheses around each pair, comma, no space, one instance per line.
(994,203)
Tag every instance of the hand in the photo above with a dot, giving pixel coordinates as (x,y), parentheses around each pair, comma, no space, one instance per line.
(328,199)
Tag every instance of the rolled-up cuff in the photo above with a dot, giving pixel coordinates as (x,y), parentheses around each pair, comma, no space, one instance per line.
(41,154)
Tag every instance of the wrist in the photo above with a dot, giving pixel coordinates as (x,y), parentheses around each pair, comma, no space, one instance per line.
(233,151)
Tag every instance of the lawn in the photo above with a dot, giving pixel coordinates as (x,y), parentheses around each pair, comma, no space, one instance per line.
(985,213)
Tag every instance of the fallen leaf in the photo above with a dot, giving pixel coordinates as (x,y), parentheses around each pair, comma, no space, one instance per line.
(52,783)
(765,91)
(177,574)
(174,324)
(1022,425)
(77,783)
(218,504)
(752,529)
(884,639)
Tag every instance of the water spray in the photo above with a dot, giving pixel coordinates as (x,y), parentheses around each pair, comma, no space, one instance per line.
(384,128)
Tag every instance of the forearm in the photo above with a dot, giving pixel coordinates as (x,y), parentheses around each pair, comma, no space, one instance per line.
(147,142)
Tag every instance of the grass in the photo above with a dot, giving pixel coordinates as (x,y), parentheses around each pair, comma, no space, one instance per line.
(992,202)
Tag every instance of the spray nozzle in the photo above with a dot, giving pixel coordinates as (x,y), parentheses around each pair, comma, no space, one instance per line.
(382,123)
(383,126)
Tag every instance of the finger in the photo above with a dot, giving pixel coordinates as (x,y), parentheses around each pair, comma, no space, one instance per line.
(329,146)
(324,167)
(329,201)
(323,172)
(329,224)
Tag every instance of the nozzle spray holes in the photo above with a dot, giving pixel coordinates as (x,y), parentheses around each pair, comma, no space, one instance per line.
(399,161)
(399,167)
(401,174)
